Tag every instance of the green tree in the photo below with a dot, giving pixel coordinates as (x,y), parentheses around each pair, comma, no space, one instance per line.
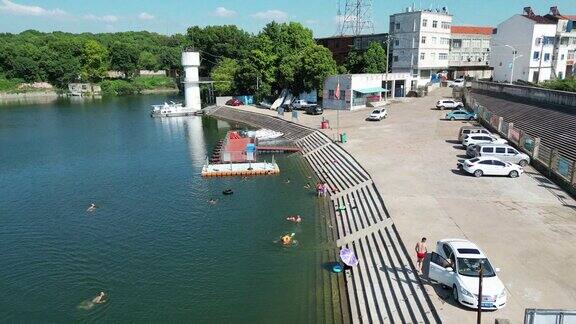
(25,68)
(315,66)
(374,59)
(147,61)
(223,73)
(94,61)
(124,58)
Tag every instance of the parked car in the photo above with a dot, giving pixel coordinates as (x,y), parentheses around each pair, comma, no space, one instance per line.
(449,104)
(234,102)
(461,114)
(480,166)
(456,264)
(286,107)
(505,153)
(301,104)
(378,114)
(465,130)
(474,139)
(457,83)
(314,110)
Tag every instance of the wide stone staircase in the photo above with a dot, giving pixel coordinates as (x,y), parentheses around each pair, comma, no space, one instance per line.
(384,287)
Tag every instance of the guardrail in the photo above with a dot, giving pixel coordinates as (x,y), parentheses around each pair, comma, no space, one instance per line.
(548,158)
(537,316)
(533,93)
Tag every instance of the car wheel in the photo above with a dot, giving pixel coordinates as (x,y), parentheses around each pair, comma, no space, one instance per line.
(523,163)
(513,174)
(478,173)
(455,293)
(471,118)
(452,118)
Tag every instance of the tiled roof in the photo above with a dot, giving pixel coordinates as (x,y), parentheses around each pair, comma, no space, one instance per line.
(540,19)
(471,30)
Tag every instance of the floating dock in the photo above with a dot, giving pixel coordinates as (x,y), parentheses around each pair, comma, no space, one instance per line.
(240,169)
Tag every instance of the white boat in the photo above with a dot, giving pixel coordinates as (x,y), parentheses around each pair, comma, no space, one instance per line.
(264,134)
(172,109)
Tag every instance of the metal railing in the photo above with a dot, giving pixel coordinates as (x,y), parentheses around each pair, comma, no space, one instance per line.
(544,316)
(562,167)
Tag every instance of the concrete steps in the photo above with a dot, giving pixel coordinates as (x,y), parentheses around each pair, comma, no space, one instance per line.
(383,288)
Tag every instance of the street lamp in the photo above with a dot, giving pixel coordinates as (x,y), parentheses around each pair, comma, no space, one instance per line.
(514,57)
(389,38)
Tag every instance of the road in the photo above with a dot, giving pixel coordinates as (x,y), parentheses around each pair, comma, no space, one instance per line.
(526,226)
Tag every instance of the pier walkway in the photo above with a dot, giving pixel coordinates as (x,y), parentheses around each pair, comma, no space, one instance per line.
(384,287)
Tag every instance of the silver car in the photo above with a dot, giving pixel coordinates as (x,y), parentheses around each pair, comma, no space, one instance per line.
(503,152)
(465,130)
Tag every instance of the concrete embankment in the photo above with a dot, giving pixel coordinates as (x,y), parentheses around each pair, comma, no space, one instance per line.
(384,286)
(41,96)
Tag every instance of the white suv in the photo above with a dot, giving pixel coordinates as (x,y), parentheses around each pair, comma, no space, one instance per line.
(456,264)
(474,139)
(378,114)
(448,104)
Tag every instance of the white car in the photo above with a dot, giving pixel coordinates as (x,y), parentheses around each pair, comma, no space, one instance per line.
(480,166)
(449,104)
(378,114)
(456,264)
(301,104)
(479,138)
(459,83)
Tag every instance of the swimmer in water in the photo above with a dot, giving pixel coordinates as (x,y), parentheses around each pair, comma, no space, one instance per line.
(99,299)
(92,207)
(307,185)
(287,181)
(88,304)
(295,219)
(213,201)
(287,239)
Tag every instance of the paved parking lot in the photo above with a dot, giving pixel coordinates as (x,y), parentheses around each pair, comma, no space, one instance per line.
(526,226)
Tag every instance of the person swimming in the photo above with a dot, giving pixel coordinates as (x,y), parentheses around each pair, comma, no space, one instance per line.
(287,181)
(88,304)
(296,219)
(92,207)
(213,201)
(287,239)
(307,185)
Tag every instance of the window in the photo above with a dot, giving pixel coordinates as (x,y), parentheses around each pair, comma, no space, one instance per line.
(470,267)
(546,57)
(422,56)
(424,22)
(564,41)
(442,56)
(562,57)
(487,150)
(538,41)
(444,41)
(342,94)
(434,24)
(570,55)
(498,163)
(548,40)
(486,162)
(501,150)
(445,25)
(433,40)
(536,56)
(512,151)
(396,42)
(465,43)
(330,94)
(423,39)
(456,43)
(397,26)
(395,58)
(447,250)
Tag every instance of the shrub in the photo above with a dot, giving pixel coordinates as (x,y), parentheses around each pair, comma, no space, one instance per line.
(153,82)
(118,87)
(9,85)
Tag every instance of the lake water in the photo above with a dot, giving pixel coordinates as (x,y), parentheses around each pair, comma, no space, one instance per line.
(154,245)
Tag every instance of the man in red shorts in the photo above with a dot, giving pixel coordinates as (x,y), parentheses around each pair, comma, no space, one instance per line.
(421,251)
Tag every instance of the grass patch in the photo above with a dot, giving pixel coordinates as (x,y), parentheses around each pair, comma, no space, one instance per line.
(118,87)
(154,82)
(9,85)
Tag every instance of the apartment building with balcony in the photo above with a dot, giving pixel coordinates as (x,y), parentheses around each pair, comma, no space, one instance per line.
(470,52)
(420,44)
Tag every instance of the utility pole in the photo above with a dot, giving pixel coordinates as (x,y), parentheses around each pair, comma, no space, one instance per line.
(540,61)
(387,64)
(479,316)
(514,57)
(257,83)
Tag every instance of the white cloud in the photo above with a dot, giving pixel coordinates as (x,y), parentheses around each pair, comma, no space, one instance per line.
(105,18)
(273,14)
(19,9)
(223,12)
(145,16)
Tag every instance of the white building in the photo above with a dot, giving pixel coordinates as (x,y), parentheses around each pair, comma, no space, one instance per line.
(420,44)
(533,48)
(470,52)
(354,91)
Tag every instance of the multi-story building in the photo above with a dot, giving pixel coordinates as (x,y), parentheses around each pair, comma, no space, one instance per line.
(470,52)
(534,48)
(340,46)
(420,44)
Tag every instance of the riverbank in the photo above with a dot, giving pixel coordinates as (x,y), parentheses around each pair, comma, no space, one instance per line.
(384,286)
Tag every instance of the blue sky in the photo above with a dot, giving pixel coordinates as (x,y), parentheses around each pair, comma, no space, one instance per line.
(172,16)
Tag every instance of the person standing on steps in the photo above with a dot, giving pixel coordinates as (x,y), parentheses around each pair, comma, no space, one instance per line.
(421,251)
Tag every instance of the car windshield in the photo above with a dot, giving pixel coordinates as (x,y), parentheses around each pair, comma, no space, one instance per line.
(376,111)
(469,267)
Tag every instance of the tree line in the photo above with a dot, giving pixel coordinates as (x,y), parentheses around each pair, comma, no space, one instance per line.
(280,56)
